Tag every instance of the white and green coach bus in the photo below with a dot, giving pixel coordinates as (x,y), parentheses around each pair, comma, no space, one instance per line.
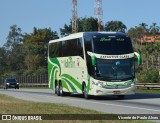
(92,63)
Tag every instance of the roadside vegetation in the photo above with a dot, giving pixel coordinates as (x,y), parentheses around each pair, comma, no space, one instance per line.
(10,105)
(146,91)
(25,54)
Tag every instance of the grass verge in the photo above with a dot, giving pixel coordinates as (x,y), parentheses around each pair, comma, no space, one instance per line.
(10,105)
(150,91)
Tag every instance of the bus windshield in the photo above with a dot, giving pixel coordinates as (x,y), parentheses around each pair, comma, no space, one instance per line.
(112,45)
(115,69)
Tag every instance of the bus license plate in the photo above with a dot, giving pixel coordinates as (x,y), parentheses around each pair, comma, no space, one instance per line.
(116,92)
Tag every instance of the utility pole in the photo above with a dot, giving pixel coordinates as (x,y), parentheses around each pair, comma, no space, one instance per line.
(74,17)
(99,13)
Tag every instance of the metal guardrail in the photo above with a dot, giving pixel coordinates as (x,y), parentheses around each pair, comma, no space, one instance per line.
(148,85)
(29,81)
(34,85)
(31,85)
(143,85)
(42,81)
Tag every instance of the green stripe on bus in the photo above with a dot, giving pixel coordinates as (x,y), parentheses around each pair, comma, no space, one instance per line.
(52,77)
(56,71)
(55,60)
(64,85)
(72,80)
(88,86)
(70,84)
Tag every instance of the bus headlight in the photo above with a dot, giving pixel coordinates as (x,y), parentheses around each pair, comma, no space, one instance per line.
(99,84)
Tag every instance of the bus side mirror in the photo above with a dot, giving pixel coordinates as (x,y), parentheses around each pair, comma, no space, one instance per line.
(93,60)
(138,57)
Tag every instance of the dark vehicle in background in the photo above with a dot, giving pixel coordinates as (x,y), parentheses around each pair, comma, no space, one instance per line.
(11,83)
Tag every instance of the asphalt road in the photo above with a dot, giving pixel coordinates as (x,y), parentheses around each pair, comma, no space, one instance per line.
(133,104)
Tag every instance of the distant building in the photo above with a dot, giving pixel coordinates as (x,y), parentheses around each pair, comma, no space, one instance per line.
(149,39)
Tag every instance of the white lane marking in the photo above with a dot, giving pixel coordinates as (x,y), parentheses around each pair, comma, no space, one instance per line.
(133,107)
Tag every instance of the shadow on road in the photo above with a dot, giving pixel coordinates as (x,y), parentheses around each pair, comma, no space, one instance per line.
(127,97)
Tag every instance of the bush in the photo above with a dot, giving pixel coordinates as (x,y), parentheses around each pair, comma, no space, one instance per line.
(142,77)
(153,76)
(28,73)
(149,76)
(41,71)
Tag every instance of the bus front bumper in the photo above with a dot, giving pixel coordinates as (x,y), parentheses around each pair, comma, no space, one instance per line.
(100,91)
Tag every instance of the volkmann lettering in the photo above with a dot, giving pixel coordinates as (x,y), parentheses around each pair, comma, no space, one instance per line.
(69,63)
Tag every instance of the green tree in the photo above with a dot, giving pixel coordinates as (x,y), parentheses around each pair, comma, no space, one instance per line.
(137,33)
(84,25)
(66,30)
(117,26)
(14,37)
(3,59)
(14,50)
(36,45)
(148,71)
(89,24)
(144,28)
(154,29)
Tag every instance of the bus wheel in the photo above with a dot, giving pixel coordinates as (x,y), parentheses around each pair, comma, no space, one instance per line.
(86,96)
(57,91)
(61,93)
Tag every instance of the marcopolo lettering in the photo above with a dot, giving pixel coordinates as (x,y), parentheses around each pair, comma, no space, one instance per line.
(124,56)
(110,57)
(115,56)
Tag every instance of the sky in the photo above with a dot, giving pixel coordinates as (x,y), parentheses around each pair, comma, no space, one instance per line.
(27,14)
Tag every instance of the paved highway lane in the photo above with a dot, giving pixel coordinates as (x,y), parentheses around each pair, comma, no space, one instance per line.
(133,104)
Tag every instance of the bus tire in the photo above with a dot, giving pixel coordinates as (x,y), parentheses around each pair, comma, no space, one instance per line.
(86,96)
(61,93)
(57,90)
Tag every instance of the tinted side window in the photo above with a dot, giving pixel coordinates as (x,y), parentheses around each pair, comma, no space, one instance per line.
(88,47)
(55,49)
(66,48)
(73,47)
(88,44)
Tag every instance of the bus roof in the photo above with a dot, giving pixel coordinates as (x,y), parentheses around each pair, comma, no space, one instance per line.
(81,34)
